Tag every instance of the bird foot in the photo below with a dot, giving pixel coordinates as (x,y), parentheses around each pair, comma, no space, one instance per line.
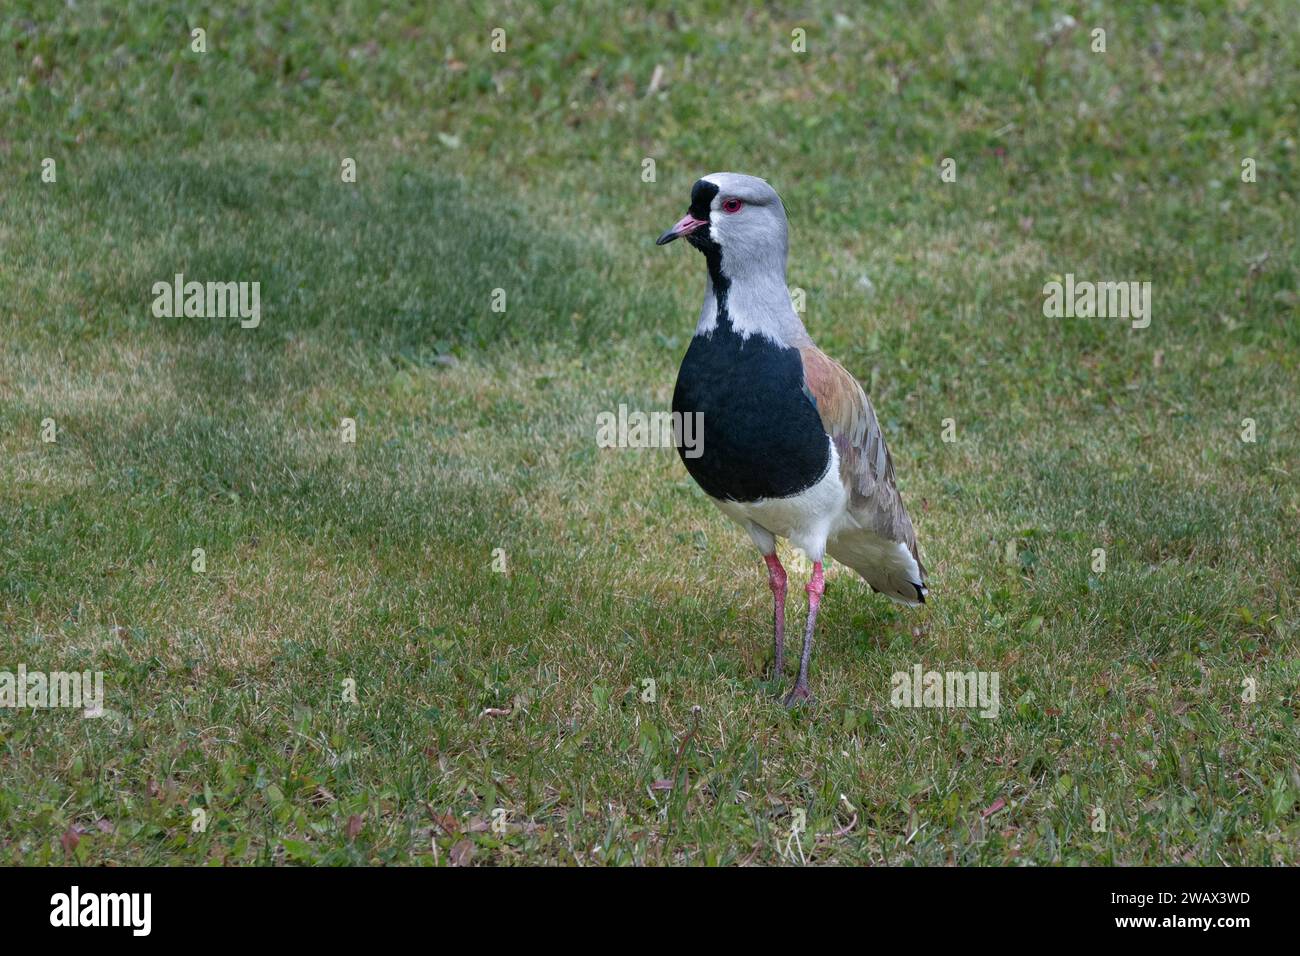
(778,673)
(799,695)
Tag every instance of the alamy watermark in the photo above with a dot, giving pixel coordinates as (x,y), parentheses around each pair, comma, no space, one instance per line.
(1083,299)
(637,429)
(75,908)
(82,690)
(208,300)
(951,689)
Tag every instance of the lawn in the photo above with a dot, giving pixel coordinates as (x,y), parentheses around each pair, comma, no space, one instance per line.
(473,635)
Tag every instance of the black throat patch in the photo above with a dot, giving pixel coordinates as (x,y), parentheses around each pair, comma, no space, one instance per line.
(702,194)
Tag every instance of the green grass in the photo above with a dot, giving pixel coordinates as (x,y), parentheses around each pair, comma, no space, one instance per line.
(476,431)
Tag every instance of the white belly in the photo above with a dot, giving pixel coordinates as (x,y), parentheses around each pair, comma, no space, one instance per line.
(806,519)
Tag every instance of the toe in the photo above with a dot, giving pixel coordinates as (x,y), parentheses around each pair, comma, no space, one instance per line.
(800,695)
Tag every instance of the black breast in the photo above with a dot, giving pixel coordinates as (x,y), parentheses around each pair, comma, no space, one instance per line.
(763,437)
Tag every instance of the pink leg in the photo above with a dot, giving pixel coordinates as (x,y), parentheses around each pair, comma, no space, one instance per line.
(816,587)
(776,580)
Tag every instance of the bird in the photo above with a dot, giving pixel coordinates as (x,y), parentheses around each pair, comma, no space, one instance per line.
(789,445)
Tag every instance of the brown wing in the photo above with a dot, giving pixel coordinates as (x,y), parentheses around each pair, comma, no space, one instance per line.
(865,466)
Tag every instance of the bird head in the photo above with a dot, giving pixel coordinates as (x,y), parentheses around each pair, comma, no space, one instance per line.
(737,221)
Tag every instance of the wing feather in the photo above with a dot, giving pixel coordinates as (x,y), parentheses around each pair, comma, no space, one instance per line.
(865,465)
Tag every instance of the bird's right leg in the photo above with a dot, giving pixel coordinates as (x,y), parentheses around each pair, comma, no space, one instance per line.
(816,588)
(776,580)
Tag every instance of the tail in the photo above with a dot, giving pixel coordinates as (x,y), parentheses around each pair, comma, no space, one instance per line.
(889,567)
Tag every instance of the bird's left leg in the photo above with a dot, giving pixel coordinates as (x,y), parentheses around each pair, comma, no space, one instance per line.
(776,581)
(816,587)
(766,542)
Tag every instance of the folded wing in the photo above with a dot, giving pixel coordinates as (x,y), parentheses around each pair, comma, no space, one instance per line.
(882,548)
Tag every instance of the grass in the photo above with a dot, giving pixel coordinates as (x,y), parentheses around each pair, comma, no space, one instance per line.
(330,562)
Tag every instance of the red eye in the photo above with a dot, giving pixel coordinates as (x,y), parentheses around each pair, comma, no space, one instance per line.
(731,205)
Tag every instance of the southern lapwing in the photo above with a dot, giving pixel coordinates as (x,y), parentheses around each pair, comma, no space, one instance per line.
(791,447)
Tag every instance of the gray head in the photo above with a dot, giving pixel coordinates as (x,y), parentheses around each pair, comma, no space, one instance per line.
(738,222)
